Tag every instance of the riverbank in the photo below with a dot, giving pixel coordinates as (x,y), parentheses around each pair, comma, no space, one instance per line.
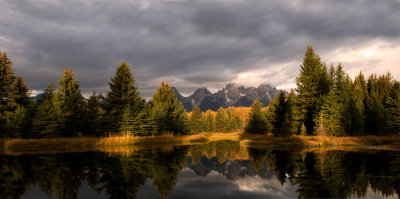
(80,144)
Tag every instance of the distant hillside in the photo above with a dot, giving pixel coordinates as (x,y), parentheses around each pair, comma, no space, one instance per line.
(231,95)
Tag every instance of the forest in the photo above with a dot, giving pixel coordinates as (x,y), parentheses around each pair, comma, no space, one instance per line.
(326,102)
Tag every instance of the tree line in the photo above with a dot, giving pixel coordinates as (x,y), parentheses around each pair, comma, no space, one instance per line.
(325,102)
(328,102)
(65,112)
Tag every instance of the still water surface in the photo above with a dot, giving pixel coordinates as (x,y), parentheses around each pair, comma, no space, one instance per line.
(222,169)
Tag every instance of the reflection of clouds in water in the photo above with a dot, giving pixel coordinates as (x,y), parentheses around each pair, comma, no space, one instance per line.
(371,194)
(215,185)
(272,187)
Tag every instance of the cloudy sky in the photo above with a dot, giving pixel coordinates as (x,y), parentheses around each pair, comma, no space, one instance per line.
(196,43)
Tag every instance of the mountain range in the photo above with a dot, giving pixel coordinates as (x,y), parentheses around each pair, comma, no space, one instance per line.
(230,95)
(231,169)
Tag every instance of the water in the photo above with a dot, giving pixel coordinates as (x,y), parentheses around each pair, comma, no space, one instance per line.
(222,169)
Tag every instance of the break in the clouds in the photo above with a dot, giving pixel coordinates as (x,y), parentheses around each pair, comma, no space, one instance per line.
(196,43)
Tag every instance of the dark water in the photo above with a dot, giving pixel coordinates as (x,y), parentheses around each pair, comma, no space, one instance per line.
(217,170)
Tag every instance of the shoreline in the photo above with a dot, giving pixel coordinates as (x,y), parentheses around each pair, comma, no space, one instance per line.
(126,142)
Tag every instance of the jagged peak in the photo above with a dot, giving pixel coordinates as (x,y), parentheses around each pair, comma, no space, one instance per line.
(176,92)
(263,85)
(231,85)
(202,90)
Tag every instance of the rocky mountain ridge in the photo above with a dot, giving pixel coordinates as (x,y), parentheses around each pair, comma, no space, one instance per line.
(230,95)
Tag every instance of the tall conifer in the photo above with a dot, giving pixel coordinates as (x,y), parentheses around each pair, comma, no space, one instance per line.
(70,105)
(165,112)
(257,122)
(196,121)
(312,85)
(22,92)
(122,93)
(7,92)
(45,121)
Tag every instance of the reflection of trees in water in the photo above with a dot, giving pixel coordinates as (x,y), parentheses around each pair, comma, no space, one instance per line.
(117,176)
(336,174)
(12,181)
(329,174)
(223,150)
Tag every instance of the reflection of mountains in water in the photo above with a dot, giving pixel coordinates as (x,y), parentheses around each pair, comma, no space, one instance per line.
(231,169)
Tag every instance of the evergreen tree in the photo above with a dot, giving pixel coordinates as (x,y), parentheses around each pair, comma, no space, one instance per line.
(196,121)
(221,121)
(393,108)
(312,85)
(257,122)
(17,122)
(282,116)
(94,114)
(165,112)
(331,120)
(377,116)
(357,107)
(238,123)
(45,121)
(127,120)
(180,120)
(7,92)
(123,93)
(144,124)
(209,121)
(22,92)
(70,105)
(234,121)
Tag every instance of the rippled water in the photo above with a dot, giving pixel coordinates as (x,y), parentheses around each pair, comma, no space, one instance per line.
(222,169)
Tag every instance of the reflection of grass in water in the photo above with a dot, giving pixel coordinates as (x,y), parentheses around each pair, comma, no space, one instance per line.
(54,145)
(117,142)
(386,142)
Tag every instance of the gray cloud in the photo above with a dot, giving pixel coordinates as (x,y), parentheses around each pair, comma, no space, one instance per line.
(197,43)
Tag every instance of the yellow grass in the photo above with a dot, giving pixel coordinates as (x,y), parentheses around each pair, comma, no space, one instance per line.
(384,142)
(113,140)
(129,144)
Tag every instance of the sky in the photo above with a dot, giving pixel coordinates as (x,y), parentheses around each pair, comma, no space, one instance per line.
(196,43)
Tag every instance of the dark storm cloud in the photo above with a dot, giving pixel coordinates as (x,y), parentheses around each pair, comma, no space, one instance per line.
(190,42)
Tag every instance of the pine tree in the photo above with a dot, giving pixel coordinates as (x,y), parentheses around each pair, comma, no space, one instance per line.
(196,121)
(94,114)
(144,124)
(312,85)
(209,121)
(257,122)
(22,92)
(123,93)
(393,108)
(377,115)
(127,120)
(221,121)
(70,105)
(165,112)
(282,116)
(45,121)
(7,92)
(357,107)
(180,120)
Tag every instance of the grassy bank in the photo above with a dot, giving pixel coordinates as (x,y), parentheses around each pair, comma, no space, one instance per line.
(111,142)
(384,142)
(116,143)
